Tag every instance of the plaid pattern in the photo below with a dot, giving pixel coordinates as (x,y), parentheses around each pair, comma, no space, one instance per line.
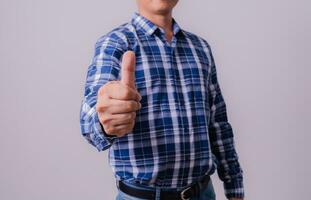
(182,131)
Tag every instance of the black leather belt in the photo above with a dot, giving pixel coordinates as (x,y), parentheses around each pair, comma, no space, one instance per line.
(189,192)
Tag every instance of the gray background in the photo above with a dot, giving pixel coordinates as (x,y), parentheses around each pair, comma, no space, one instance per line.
(262,51)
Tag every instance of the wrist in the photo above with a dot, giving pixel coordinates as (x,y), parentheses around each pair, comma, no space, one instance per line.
(234,189)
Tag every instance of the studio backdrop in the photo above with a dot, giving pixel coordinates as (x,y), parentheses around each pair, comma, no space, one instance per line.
(262,52)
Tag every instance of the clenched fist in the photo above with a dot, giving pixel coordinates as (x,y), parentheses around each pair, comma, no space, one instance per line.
(118,101)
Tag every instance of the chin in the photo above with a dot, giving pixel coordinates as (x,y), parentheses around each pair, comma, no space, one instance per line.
(163,6)
(162,11)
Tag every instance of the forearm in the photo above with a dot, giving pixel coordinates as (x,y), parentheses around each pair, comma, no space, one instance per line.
(229,169)
(223,147)
(91,127)
(103,68)
(222,139)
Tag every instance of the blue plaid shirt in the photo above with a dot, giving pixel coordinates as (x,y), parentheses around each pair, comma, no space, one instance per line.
(181,132)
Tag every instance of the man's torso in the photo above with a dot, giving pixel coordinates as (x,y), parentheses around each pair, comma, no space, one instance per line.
(169,145)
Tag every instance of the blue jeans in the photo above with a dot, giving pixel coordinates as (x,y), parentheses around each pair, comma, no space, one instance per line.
(207,193)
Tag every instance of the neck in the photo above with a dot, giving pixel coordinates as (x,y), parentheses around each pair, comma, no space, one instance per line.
(162,20)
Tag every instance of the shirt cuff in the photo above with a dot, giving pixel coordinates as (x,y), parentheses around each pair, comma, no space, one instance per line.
(105,134)
(100,138)
(234,189)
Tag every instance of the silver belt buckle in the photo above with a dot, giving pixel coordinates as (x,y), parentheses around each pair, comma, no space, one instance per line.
(182,195)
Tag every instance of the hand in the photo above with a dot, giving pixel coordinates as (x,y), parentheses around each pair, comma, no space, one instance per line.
(118,101)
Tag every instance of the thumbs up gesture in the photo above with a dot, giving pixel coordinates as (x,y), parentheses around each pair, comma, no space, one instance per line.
(118,101)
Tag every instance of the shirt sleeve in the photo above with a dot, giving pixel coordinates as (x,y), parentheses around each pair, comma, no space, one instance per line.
(104,67)
(222,140)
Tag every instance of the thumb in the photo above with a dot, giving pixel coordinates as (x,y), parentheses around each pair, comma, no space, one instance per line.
(128,69)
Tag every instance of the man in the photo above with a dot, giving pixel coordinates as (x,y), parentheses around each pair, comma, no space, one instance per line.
(152,98)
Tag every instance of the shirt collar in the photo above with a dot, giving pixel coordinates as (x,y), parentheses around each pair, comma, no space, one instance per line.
(149,27)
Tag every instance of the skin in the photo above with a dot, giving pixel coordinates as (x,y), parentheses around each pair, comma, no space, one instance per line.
(118,101)
(159,12)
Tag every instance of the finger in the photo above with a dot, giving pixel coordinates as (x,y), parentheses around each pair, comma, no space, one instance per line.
(128,69)
(124,118)
(111,105)
(121,106)
(124,129)
(122,92)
